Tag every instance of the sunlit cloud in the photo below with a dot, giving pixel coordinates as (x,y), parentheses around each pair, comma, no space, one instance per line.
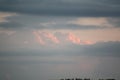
(47,24)
(65,38)
(39,39)
(4,15)
(89,21)
(88,42)
(51,37)
(76,40)
(73,38)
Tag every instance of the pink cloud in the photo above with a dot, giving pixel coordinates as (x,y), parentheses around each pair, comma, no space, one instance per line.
(76,40)
(39,39)
(51,37)
(73,38)
(44,35)
(87,42)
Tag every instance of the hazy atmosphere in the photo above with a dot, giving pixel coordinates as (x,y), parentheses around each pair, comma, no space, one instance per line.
(53,39)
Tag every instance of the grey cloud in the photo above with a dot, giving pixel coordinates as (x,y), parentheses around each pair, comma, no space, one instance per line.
(112,2)
(25,72)
(114,21)
(109,47)
(11,25)
(62,7)
(60,26)
(35,22)
(71,27)
(27,62)
(107,54)
(98,49)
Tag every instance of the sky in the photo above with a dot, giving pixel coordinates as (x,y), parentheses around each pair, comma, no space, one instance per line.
(54,39)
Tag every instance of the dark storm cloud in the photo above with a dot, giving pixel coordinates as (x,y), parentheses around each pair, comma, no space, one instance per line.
(98,49)
(63,7)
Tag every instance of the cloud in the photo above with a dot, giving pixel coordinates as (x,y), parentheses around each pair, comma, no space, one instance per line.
(76,40)
(8,77)
(8,32)
(114,22)
(26,42)
(82,23)
(4,15)
(113,3)
(11,25)
(71,26)
(73,38)
(7,22)
(99,49)
(44,37)
(39,39)
(47,24)
(65,37)
(88,42)
(61,23)
(111,49)
(35,60)
(51,37)
(62,7)
(91,21)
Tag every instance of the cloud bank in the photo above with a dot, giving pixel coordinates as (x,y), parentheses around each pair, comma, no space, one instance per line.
(103,49)
(63,7)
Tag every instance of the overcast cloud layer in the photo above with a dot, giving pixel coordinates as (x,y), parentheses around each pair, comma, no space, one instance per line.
(63,7)
(110,49)
(19,21)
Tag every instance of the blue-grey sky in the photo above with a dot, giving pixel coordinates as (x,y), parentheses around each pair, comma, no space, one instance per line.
(52,39)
